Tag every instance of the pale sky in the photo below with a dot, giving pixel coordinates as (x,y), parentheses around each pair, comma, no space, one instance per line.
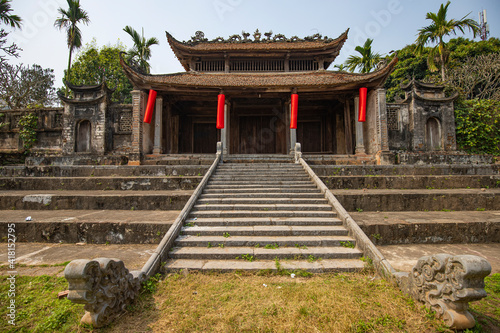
(391,23)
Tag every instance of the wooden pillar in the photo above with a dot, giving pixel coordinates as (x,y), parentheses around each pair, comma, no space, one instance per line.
(348,129)
(136,146)
(225,132)
(360,146)
(158,134)
(293,131)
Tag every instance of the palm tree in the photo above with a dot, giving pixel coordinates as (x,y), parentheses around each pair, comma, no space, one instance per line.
(434,33)
(69,20)
(367,61)
(13,20)
(141,52)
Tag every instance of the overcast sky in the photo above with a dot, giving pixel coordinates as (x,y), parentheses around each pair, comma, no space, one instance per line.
(391,23)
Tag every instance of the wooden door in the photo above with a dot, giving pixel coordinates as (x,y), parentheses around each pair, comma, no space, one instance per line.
(204,138)
(309,135)
(83,137)
(258,135)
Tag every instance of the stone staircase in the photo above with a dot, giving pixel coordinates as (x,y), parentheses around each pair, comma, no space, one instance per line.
(254,216)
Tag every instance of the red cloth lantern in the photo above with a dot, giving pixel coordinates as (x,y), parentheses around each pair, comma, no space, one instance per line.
(295,108)
(220,111)
(362,104)
(151,105)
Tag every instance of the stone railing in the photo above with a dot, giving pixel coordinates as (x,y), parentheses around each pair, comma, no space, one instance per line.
(106,287)
(444,283)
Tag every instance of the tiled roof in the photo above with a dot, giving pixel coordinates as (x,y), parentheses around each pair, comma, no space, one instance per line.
(182,50)
(301,80)
(263,45)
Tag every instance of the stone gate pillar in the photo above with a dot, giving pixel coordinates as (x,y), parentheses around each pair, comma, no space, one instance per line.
(360,146)
(137,102)
(158,147)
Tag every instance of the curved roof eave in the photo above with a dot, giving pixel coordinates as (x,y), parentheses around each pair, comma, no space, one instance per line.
(316,79)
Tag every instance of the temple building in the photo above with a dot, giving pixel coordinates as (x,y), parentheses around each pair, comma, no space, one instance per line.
(257,76)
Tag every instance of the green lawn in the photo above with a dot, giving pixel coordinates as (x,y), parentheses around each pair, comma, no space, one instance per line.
(234,302)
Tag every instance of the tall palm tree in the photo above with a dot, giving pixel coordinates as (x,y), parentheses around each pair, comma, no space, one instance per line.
(13,20)
(367,61)
(141,52)
(69,20)
(434,33)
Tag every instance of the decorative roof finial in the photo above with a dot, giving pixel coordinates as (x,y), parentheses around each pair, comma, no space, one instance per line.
(257,35)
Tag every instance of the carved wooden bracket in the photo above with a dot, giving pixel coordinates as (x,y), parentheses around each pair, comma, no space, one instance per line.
(104,285)
(446,284)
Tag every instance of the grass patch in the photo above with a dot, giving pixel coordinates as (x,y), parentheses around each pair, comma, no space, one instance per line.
(37,307)
(487,310)
(212,302)
(239,302)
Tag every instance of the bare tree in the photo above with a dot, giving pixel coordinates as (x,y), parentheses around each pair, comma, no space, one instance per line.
(7,50)
(478,77)
(25,86)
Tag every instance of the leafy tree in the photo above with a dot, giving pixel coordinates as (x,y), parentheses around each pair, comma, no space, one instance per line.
(367,61)
(435,33)
(462,49)
(410,66)
(69,20)
(140,53)
(478,126)
(94,65)
(10,19)
(28,125)
(24,86)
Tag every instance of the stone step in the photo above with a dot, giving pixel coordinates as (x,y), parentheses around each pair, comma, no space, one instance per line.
(262,207)
(399,170)
(262,200)
(100,183)
(93,200)
(253,190)
(280,230)
(291,195)
(263,241)
(268,182)
(411,182)
(103,171)
(257,221)
(319,266)
(261,186)
(231,253)
(256,213)
(419,200)
(231,164)
(247,177)
(88,226)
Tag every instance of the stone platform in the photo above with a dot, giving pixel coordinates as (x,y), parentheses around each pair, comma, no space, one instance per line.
(402,253)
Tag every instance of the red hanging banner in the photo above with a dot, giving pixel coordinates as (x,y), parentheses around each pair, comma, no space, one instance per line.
(362,105)
(220,111)
(294,109)
(151,104)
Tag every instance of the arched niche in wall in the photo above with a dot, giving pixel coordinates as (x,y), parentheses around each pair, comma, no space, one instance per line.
(433,138)
(83,136)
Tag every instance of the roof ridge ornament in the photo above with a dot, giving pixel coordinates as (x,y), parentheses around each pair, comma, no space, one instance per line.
(199,37)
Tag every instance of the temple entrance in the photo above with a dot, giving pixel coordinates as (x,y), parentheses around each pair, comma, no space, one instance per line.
(433,134)
(205,138)
(258,127)
(258,135)
(83,137)
(309,134)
